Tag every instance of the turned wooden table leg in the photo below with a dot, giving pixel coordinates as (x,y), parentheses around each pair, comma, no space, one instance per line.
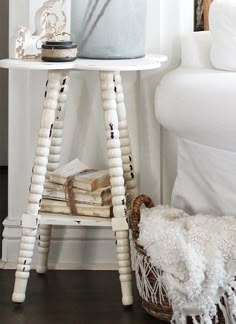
(127,160)
(53,163)
(119,222)
(30,218)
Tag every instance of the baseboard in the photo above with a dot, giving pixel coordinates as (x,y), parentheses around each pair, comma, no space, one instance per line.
(71,248)
(64,266)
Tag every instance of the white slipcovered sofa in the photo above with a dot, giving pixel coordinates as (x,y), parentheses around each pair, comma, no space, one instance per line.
(198,103)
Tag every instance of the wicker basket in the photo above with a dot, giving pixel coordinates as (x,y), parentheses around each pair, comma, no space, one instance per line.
(154,302)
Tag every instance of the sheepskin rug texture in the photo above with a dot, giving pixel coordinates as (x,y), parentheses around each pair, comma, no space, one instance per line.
(197,255)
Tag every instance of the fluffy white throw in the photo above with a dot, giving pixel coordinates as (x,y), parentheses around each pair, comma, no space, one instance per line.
(198,257)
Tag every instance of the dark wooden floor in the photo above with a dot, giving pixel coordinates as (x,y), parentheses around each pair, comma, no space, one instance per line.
(66,297)
(73,297)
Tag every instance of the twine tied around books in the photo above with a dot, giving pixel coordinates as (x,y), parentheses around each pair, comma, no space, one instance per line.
(69,193)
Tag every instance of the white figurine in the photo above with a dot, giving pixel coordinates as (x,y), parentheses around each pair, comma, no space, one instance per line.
(50,20)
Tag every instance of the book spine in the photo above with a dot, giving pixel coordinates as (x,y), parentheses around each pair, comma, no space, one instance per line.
(82,185)
(106,213)
(60,195)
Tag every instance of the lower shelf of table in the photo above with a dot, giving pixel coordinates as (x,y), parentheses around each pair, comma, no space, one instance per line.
(73,220)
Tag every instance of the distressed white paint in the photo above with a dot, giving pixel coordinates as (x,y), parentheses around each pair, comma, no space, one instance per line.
(118,151)
(127,162)
(84,247)
(53,163)
(117,180)
(29,231)
(70,248)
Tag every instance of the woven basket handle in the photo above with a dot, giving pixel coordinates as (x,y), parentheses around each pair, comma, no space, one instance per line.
(141,199)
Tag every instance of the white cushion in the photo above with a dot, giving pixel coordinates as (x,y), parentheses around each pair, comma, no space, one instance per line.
(222,24)
(195,49)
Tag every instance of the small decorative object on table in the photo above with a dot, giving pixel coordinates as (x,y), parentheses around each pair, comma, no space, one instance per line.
(185,265)
(51,17)
(59,51)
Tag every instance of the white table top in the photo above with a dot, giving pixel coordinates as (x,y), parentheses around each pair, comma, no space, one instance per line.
(148,62)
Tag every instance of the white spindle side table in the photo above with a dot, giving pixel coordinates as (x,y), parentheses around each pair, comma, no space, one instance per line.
(47,158)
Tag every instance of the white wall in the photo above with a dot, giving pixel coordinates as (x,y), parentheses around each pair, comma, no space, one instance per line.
(84,135)
(3,83)
(167,21)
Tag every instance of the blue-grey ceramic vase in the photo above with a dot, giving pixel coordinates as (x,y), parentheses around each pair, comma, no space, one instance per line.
(109,29)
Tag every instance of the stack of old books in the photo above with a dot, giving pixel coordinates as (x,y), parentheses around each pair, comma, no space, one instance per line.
(78,190)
